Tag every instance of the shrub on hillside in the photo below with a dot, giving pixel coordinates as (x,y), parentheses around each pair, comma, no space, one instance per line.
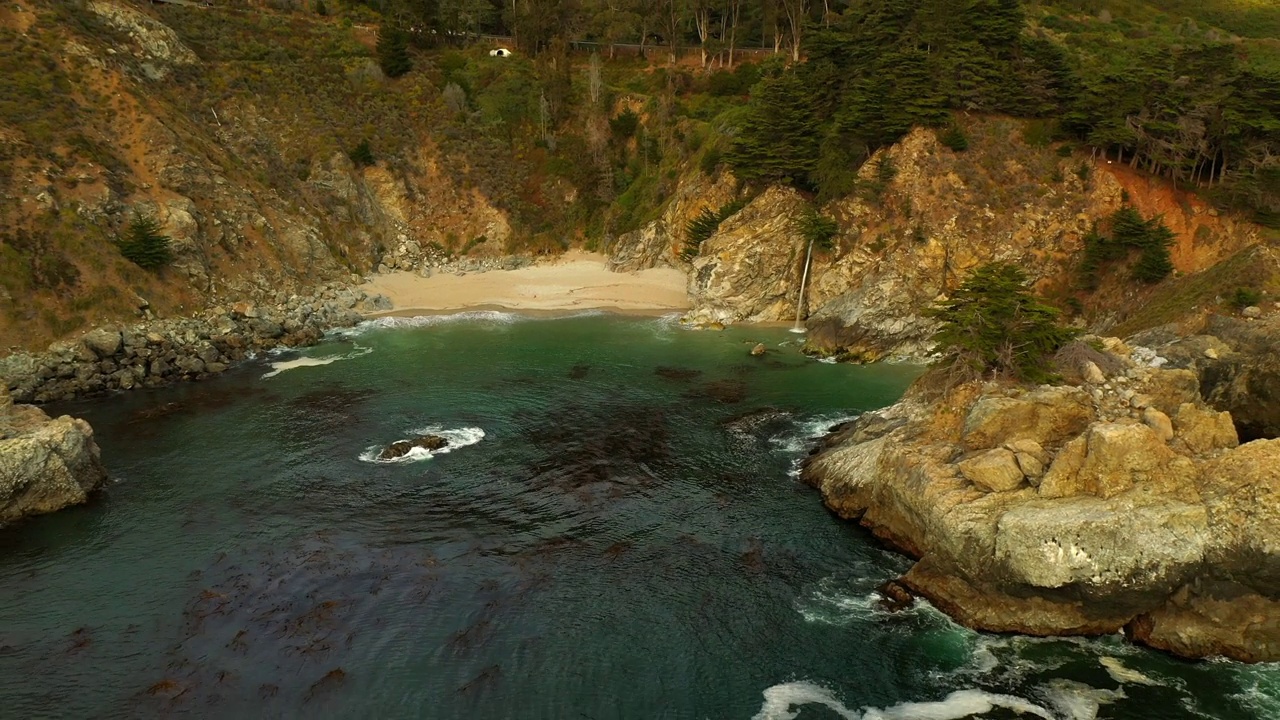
(361,154)
(1130,232)
(994,326)
(817,229)
(705,224)
(955,139)
(143,244)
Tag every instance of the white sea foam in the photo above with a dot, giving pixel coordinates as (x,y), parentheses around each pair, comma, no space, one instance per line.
(828,360)
(1076,701)
(283,365)
(782,702)
(807,431)
(479,317)
(457,437)
(1123,674)
(492,317)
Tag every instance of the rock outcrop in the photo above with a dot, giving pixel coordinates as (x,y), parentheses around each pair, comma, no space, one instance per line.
(749,269)
(157,352)
(1237,362)
(45,464)
(1069,509)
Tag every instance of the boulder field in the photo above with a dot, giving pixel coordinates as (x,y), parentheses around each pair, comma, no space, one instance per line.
(1120,502)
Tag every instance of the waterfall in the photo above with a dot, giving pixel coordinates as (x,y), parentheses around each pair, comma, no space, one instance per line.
(804,280)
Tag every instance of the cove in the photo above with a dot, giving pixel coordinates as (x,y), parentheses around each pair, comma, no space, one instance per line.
(615,532)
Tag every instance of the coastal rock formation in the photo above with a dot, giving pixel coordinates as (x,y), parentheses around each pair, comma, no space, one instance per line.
(161,351)
(939,213)
(1237,361)
(1073,509)
(749,269)
(660,241)
(45,464)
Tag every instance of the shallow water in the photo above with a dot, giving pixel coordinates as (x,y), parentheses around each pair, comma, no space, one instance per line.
(616,533)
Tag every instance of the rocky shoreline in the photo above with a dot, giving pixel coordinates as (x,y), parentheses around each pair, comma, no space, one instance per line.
(1117,502)
(158,352)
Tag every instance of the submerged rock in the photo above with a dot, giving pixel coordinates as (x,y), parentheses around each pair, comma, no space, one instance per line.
(400,448)
(45,464)
(1168,529)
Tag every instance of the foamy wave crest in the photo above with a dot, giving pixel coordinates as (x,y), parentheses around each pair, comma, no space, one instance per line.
(457,437)
(782,702)
(492,317)
(283,365)
(1077,701)
(808,431)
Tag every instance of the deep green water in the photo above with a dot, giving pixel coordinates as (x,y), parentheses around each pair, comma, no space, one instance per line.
(627,540)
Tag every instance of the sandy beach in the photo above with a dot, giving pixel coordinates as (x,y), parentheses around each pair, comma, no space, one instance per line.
(574,281)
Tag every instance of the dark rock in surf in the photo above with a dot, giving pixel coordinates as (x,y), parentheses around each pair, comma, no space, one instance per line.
(400,448)
(894,597)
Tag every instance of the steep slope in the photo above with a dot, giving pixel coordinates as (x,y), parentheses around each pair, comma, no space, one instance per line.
(112,115)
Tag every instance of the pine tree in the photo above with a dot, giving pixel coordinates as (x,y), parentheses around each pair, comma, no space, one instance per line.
(393,51)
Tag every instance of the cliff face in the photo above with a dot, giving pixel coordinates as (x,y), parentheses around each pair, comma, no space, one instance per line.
(1120,503)
(923,216)
(146,125)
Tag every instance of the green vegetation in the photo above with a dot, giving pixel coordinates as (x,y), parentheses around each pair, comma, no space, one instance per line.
(817,229)
(361,155)
(143,244)
(705,224)
(994,326)
(393,51)
(1130,233)
(1243,297)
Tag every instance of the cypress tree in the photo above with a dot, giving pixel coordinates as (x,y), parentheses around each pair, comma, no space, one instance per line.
(143,244)
(993,324)
(393,52)
(779,138)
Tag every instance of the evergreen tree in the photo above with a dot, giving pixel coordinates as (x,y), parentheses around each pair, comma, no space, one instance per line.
(778,139)
(143,244)
(994,325)
(393,51)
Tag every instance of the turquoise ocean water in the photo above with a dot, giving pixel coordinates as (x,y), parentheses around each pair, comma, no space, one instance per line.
(616,532)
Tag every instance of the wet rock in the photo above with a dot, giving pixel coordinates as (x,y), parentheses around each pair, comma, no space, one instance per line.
(676,373)
(400,448)
(758,350)
(894,597)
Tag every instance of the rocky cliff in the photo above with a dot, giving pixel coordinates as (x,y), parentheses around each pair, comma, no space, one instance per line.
(168,112)
(922,217)
(45,464)
(1118,502)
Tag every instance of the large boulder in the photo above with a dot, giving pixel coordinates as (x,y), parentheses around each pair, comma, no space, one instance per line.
(45,464)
